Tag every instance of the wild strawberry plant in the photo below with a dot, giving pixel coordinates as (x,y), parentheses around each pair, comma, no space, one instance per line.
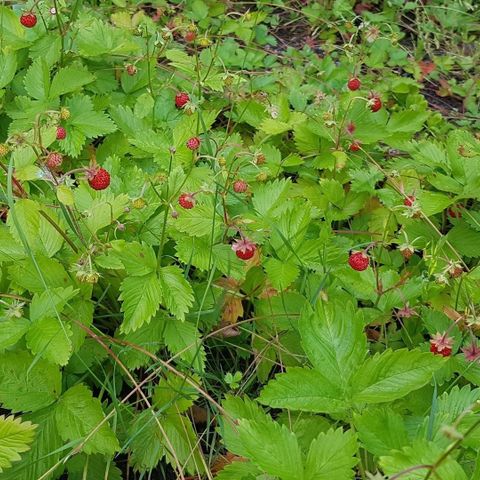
(239,240)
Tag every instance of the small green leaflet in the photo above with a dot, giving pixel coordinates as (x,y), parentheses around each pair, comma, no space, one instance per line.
(15,438)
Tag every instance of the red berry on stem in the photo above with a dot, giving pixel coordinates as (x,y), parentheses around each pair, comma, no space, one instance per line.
(61,133)
(358,261)
(54,160)
(186,200)
(244,248)
(240,186)
(190,36)
(354,84)
(193,143)
(409,201)
(441,344)
(354,146)
(28,19)
(375,103)
(181,99)
(99,179)
(454,212)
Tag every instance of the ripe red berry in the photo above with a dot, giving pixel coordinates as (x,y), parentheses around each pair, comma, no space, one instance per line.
(445,352)
(190,36)
(193,143)
(375,103)
(244,248)
(409,201)
(358,261)
(186,200)
(54,160)
(99,179)
(454,212)
(61,133)
(354,84)
(28,19)
(181,99)
(354,146)
(240,186)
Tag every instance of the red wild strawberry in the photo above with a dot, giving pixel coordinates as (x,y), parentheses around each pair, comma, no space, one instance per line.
(244,248)
(441,344)
(354,146)
(375,102)
(186,200)
(190,36)
(98,178)
(61,133)
(54,160)
(409,201)
(240,186)
(358,261)
(193,143)
(454,212)
(28,19)
(181,99)
(354,84)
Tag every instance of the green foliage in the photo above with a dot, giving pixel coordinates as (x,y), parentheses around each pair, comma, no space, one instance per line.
(199,316)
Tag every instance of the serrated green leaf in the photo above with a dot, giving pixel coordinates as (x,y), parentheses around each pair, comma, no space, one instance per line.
(27,383)
(50,339)
(183,338)
(78,415)
(333,339)
(418,454)
(305,390)
(332,455)
(11,331)
(69,79)
(381,430)
(141,298)
(138,259)
(281,458)
(15,438)
(92,467)
(393,374)
(44,451)
(8,67)
(281,274)
(37,79)
(177,292)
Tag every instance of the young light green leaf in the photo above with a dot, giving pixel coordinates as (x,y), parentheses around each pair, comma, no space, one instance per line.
(15,438)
